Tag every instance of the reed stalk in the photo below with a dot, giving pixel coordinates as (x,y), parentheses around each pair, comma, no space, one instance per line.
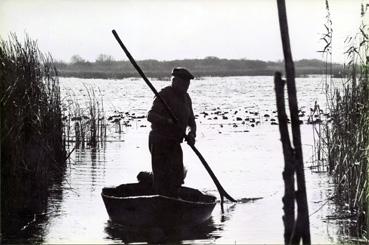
(346,135)
(85,121)
(32,150)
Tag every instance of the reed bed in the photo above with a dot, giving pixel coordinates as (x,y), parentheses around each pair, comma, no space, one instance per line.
(84,122)
(343,140)
(32,149)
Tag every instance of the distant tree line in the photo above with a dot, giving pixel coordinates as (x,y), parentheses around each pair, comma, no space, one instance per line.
(106,67)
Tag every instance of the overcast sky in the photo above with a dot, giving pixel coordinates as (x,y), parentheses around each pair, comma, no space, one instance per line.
(178,29)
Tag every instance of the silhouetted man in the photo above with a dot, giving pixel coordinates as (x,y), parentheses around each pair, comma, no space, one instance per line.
(166,136)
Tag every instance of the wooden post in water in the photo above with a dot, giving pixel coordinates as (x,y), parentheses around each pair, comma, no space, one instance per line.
(301,226)
(289,161)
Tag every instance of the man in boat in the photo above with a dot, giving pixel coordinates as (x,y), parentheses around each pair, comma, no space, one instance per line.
(166,136)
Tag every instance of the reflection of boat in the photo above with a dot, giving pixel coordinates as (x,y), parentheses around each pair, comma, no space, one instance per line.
(175,235)
(137,205)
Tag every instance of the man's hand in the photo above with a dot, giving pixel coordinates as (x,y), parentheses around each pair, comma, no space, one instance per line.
(190,138)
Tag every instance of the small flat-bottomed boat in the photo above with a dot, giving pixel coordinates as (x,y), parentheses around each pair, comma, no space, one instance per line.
(137,205)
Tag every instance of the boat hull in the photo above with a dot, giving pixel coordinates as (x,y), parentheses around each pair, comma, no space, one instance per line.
(145,210)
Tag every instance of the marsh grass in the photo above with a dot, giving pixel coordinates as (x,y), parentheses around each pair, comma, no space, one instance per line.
(343,141)
(32,149)
(84,122)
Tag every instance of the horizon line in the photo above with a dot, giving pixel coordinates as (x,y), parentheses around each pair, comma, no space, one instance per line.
(186,59)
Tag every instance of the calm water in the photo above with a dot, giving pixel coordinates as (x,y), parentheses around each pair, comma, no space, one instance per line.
(247,159)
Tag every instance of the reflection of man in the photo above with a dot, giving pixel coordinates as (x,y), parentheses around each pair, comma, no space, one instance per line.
(166,136)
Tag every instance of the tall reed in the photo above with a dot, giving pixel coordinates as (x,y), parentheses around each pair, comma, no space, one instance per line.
(345,138)
(32,150)
(84,122)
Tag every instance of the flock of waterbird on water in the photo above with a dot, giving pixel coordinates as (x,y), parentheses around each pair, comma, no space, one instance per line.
(221,118)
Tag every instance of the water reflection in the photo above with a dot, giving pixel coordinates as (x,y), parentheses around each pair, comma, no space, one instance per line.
(97,159)
(27,224)
(208,231)
(248,160)
(350,228)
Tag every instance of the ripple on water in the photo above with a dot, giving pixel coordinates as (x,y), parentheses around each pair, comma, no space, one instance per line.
(247,159)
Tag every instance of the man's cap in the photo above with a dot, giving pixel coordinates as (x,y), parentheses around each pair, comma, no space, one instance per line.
(182,73)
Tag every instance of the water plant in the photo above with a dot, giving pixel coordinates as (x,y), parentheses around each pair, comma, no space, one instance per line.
(32,150)
(344,142)
(84,123)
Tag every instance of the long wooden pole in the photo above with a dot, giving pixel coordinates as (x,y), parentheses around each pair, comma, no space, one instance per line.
(220,188)
(302,223)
